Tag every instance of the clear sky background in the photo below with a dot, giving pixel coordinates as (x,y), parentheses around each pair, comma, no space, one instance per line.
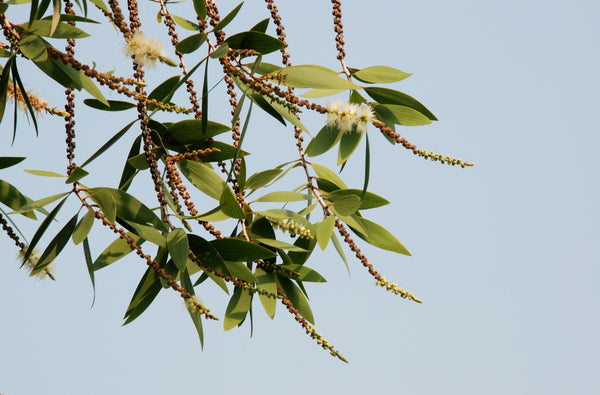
(503,253)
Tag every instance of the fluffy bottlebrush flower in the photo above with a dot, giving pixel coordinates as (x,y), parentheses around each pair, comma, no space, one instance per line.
(38,103)
(345,116)
(146,51)
(32,261)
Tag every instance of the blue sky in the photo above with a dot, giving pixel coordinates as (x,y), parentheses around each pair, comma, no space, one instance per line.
(503,253)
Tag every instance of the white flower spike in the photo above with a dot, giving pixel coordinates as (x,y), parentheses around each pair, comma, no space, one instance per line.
(345,116)
(146,50)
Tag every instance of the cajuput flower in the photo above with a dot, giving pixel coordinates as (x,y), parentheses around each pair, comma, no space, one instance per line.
(32,261)
(38,103)
(146,51)
(345,116)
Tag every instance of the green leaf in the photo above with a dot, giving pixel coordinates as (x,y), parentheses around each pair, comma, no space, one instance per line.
(348,144)
(178,246)
(380,75)
(380,237)
(325,231)
(191,43)
(184,23)
(55,246)
(144,294)
(131,209)
(147,233)
(369,199)
(268,104)
(68,77)
(300,258)
(39,203)
(283,196)
(296,296)
(390,96)
(317,93)
(113,105)
(186,283)
(4,81)
(237,308)
(87,254)
(212,258)
(220,52)
(324,172)
(115,251)
(109,143)
(140,161)
(44,173)
(42,229)
(261,26)
(279,244)
(229,17)
(323,141)
(230,206)
(100,4)
(340,251)
(43,27)
(33,47)
(260,101)
(200,8)
(165,90)
(191,131)
(8,161)
(237,250)
(10,196)
(266,282)
(77,174)
(203,178)
(305,273)
(311,76)
(105,200)
(347,205)
(129,171)
(260,42)
(259,180)
(263,67)
(84,227)
(403,115)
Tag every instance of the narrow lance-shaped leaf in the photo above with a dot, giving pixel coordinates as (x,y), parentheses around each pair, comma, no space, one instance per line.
(186,283)
(380,237)
(4,85)
(178,246)
(8,161)
(379,74)
(324,231)
(88,262)
(10,196)
(237,308)
(144,294)
(55,246)
(42,229)
(296,296)
(262,178)
(266,282)
(115,251)
(83,227)
(229,17)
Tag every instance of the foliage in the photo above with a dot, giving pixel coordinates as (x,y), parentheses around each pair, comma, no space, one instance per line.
(258,259)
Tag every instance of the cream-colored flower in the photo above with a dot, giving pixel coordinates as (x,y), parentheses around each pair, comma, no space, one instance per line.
(345,116)
(32,261)
(146,51)
(37,102)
